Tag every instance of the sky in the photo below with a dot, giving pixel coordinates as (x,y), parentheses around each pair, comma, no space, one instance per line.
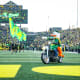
(45,14)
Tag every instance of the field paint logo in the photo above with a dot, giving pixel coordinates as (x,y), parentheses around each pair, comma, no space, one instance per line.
(59,70)
(9,71)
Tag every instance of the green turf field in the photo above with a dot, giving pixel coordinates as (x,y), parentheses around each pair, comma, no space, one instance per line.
(30,59)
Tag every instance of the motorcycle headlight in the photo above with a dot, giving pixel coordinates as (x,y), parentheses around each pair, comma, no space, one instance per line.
(49,42)
(43,48)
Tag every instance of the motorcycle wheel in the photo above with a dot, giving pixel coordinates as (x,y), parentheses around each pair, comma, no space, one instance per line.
(44,58)
(60,60)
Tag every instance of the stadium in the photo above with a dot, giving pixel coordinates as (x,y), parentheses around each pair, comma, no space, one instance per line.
(21,50)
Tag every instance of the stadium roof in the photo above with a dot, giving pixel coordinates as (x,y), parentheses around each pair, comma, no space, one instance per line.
(10,3)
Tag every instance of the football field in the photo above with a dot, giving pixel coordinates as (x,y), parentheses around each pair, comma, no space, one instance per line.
(27,65)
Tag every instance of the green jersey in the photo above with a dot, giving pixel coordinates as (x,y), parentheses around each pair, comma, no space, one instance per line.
(55,43)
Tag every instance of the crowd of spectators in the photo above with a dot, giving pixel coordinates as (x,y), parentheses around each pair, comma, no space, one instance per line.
(70,38)
(7,42)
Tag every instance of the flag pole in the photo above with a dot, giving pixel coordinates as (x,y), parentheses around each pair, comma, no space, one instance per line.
(77,13)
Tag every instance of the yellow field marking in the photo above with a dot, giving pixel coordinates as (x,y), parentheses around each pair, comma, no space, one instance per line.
(9,71)
(59,70)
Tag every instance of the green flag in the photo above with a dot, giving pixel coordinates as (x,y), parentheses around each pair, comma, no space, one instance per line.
(12,28)
(15,30)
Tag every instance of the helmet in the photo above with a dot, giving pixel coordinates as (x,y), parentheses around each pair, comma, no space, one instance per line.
(55,35)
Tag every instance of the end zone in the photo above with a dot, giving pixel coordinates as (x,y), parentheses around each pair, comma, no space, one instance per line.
(9,71)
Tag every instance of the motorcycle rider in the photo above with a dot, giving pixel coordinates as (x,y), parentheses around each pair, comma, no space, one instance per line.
(56,46)
(53,46)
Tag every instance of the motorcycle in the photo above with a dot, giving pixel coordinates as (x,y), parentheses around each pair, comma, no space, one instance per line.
(49,56)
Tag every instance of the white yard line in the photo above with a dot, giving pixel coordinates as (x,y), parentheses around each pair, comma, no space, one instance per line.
(71,52)
(19,58)
(71,62)
(22,61)
(31,61)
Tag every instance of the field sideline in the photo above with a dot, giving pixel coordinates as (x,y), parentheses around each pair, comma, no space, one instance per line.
(30,59)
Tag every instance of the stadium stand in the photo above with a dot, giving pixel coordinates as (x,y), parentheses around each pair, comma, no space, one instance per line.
(70,38)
